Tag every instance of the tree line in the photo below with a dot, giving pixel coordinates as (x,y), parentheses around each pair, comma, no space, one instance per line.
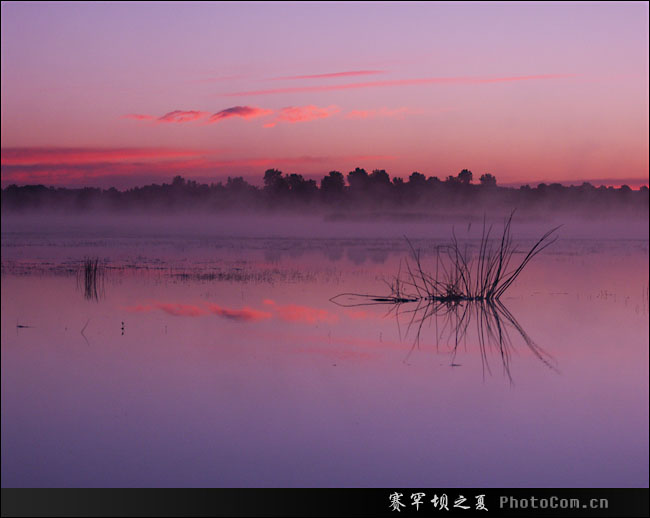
(355,191)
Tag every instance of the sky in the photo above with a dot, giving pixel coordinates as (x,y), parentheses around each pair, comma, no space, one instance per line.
(125,94)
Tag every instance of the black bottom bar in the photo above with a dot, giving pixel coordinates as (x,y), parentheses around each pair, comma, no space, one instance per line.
(325,502)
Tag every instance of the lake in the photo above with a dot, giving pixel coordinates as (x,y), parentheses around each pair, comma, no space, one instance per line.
(215,356)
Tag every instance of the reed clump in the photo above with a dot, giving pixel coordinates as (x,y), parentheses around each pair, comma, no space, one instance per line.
(465,285)
(91,276)
(461,275)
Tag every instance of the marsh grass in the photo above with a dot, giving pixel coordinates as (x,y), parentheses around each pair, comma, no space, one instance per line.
(461,275)
(463,287)
(90,277)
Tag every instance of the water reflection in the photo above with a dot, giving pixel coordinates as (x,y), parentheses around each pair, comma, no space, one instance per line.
(283,312)
(194,377)
(451,322)
(90,276)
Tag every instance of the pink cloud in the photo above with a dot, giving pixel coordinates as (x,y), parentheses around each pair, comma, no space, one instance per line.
(245,112)
(182,116)
(293,114)
(290,114)
(333,74)
(179,116)
(402,82)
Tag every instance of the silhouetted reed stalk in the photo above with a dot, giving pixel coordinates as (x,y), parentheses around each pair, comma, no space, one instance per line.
(461,288)
(91,274)
(461,276)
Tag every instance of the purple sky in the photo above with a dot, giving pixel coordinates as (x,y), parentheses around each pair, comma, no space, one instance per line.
(124,94)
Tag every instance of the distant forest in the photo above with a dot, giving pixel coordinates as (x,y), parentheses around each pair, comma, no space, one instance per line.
(358,190)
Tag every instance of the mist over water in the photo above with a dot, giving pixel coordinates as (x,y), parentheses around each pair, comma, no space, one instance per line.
(205,351)
(359,225)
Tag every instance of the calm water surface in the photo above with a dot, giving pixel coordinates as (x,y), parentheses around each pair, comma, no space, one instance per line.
(222,362)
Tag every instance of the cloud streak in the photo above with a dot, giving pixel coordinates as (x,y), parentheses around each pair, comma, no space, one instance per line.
(332,74)
(121,167)
(245,112)
(401,82)
(71,156)
(293,114)
(290,114)
(182,116)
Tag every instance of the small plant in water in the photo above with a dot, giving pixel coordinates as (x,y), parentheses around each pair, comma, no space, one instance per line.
(462,287)
(91,274)
(459,275)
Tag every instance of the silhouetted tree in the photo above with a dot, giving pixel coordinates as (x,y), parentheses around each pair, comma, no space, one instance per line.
(333,182)
(379,177)
(465,176)
(487,180)
(237,184)
(417,179)
(379,185)
(295,182)
(358,180)
(332,187)
(274,183)
(302,190)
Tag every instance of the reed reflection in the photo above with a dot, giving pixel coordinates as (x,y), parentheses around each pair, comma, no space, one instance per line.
(451,322)
(465,285)
(90,278)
